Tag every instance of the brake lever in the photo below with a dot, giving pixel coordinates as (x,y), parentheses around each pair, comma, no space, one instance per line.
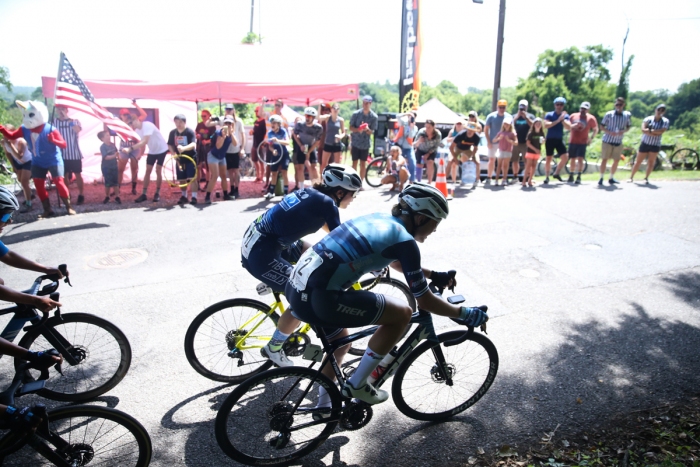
(45,371)
(64,270)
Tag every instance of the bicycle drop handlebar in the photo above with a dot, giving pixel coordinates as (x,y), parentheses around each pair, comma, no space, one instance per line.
(34,290)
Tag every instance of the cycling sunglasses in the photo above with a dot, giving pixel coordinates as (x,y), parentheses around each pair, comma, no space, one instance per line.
(5,218)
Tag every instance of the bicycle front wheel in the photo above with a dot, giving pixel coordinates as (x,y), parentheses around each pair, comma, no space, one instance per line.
(421,391)
(272,419)
(101,349)
(91,435)
(391,288)
(541,167)
(376,171)
(215,334)
(684,159)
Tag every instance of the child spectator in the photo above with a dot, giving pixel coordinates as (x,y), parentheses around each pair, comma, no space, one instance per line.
(534,139)
(398,171)
(110,166)
(505,138)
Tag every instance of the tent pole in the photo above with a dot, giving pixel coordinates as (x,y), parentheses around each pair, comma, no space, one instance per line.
(220,112)
(357,103)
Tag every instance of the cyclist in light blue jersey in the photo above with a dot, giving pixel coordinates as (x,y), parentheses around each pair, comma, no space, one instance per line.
(317,287)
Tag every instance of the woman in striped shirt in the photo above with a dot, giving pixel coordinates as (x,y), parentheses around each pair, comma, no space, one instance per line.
(652,128)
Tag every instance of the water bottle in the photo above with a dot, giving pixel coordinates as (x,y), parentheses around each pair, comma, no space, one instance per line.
(383,365)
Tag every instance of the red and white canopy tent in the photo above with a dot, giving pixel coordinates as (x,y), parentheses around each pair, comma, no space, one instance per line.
(181,98)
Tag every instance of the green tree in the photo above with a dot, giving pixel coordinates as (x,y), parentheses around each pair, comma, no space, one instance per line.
(5,78)
(251,38)
(623,85)
(685,100)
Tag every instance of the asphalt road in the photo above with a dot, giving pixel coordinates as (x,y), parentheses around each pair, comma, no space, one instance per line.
(593,294)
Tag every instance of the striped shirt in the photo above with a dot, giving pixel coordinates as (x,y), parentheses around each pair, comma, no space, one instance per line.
(65,127)
(615,122)
(652,124)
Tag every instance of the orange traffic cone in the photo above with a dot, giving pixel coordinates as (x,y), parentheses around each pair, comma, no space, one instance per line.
(441,179)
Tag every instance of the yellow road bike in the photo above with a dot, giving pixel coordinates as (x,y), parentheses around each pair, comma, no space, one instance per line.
(223,342)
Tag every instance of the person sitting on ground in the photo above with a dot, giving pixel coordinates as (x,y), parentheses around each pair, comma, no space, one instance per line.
(182,141)
(398,170)
(20,157)
(464,148)
(110,166)
(273,241)
(426,142)
(318,291)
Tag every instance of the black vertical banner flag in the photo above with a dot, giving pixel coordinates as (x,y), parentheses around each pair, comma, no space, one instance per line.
(411,45)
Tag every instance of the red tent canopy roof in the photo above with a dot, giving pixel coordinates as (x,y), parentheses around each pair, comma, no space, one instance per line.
(242,93)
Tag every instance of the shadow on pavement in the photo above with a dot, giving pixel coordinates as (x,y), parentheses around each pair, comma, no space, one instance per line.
(686,286)
(20,237)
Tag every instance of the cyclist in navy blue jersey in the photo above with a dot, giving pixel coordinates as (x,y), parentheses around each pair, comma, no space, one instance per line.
(272,241)
(317,286)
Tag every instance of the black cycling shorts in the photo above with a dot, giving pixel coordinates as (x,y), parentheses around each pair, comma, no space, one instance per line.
(233,160)
(300,157)
(270,263)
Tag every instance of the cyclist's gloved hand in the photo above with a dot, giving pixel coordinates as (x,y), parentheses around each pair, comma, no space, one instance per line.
(24,418)
(473,316)
(444,280)
(43,359)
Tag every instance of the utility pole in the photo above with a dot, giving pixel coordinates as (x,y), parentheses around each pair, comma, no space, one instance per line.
(499,55)
(252,14)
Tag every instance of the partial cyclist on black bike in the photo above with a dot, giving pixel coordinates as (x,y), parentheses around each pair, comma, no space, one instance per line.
(317,288)
(8,206)
(273,240)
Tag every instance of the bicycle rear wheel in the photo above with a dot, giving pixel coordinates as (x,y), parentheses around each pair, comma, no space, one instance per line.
(269,419)
(419,390)
(216,331)
(541,166)
(92,436)
(376,171)
(684,159)
(389,287)
(101,349)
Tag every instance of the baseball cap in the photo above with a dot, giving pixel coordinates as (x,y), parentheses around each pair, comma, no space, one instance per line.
(472,113)
(180,117)
(367,98)
(502,102)
(124,112)
(229,107)
(660,106)
(585,105)
(228,119)
(560,100)
(522,104)
(508,120)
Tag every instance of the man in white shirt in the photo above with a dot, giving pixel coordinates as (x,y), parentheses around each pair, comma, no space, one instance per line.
(157,150)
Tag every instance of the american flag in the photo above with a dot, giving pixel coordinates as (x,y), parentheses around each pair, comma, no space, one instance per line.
(72,93)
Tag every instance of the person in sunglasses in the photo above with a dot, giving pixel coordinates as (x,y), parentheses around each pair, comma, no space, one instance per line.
(8,206)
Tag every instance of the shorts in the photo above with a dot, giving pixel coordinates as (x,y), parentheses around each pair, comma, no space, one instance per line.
(17,166)
(649,148)
(40,172)
(493,151)
(233,160)
(300,157)
(505,154)
(359,154)
(154,159)
(532,156)
(420,156)
(110,173)
(283,163)
(213,160)
(555,144)
(465,154)
(609,151)
(185,169)
(519,149)
(577,150)
(269,262)
(73,166)
(332,148)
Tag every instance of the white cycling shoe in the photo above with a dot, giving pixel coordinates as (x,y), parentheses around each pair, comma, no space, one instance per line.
(279,358)
(366,393)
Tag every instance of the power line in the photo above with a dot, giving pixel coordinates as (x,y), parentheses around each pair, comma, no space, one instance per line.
(665,19)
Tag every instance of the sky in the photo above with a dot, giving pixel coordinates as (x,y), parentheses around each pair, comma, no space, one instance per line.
(318,41)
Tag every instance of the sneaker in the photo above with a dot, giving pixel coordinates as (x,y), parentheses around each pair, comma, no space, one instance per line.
(118,200)
(571,179)
(156,197)
(600,182)
(546,181)
(140,199)
(646,181)
(227,197)
(578,180)
(366,393)
(558,177)
(235,193)
(182,200)
(278,358)
(321,413)
(207,200)
(106,200)
(269,195)
(612,181)
(81,199)
(193,201)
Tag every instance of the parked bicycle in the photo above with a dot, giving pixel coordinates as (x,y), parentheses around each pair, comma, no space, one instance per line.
(273,419)
(96,353)
(72,436)
(223,342)
(541,166)
(680,159)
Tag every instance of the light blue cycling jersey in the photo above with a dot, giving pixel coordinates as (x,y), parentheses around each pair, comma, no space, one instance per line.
(365,244)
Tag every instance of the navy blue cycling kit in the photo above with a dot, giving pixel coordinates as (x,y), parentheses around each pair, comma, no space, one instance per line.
(317,286)
(272,240)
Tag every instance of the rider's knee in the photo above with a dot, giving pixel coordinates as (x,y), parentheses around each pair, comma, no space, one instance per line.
(405,314)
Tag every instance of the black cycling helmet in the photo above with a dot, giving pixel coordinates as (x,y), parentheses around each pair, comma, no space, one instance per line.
(8,201)
(425,199)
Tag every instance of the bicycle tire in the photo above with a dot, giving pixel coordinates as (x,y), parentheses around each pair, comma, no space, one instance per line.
(267,156)
(684,159)
(429,389)
(105,357)
(235,427)
(208,353)
(541,167)
(111,437)
(384,286)
(375,172)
